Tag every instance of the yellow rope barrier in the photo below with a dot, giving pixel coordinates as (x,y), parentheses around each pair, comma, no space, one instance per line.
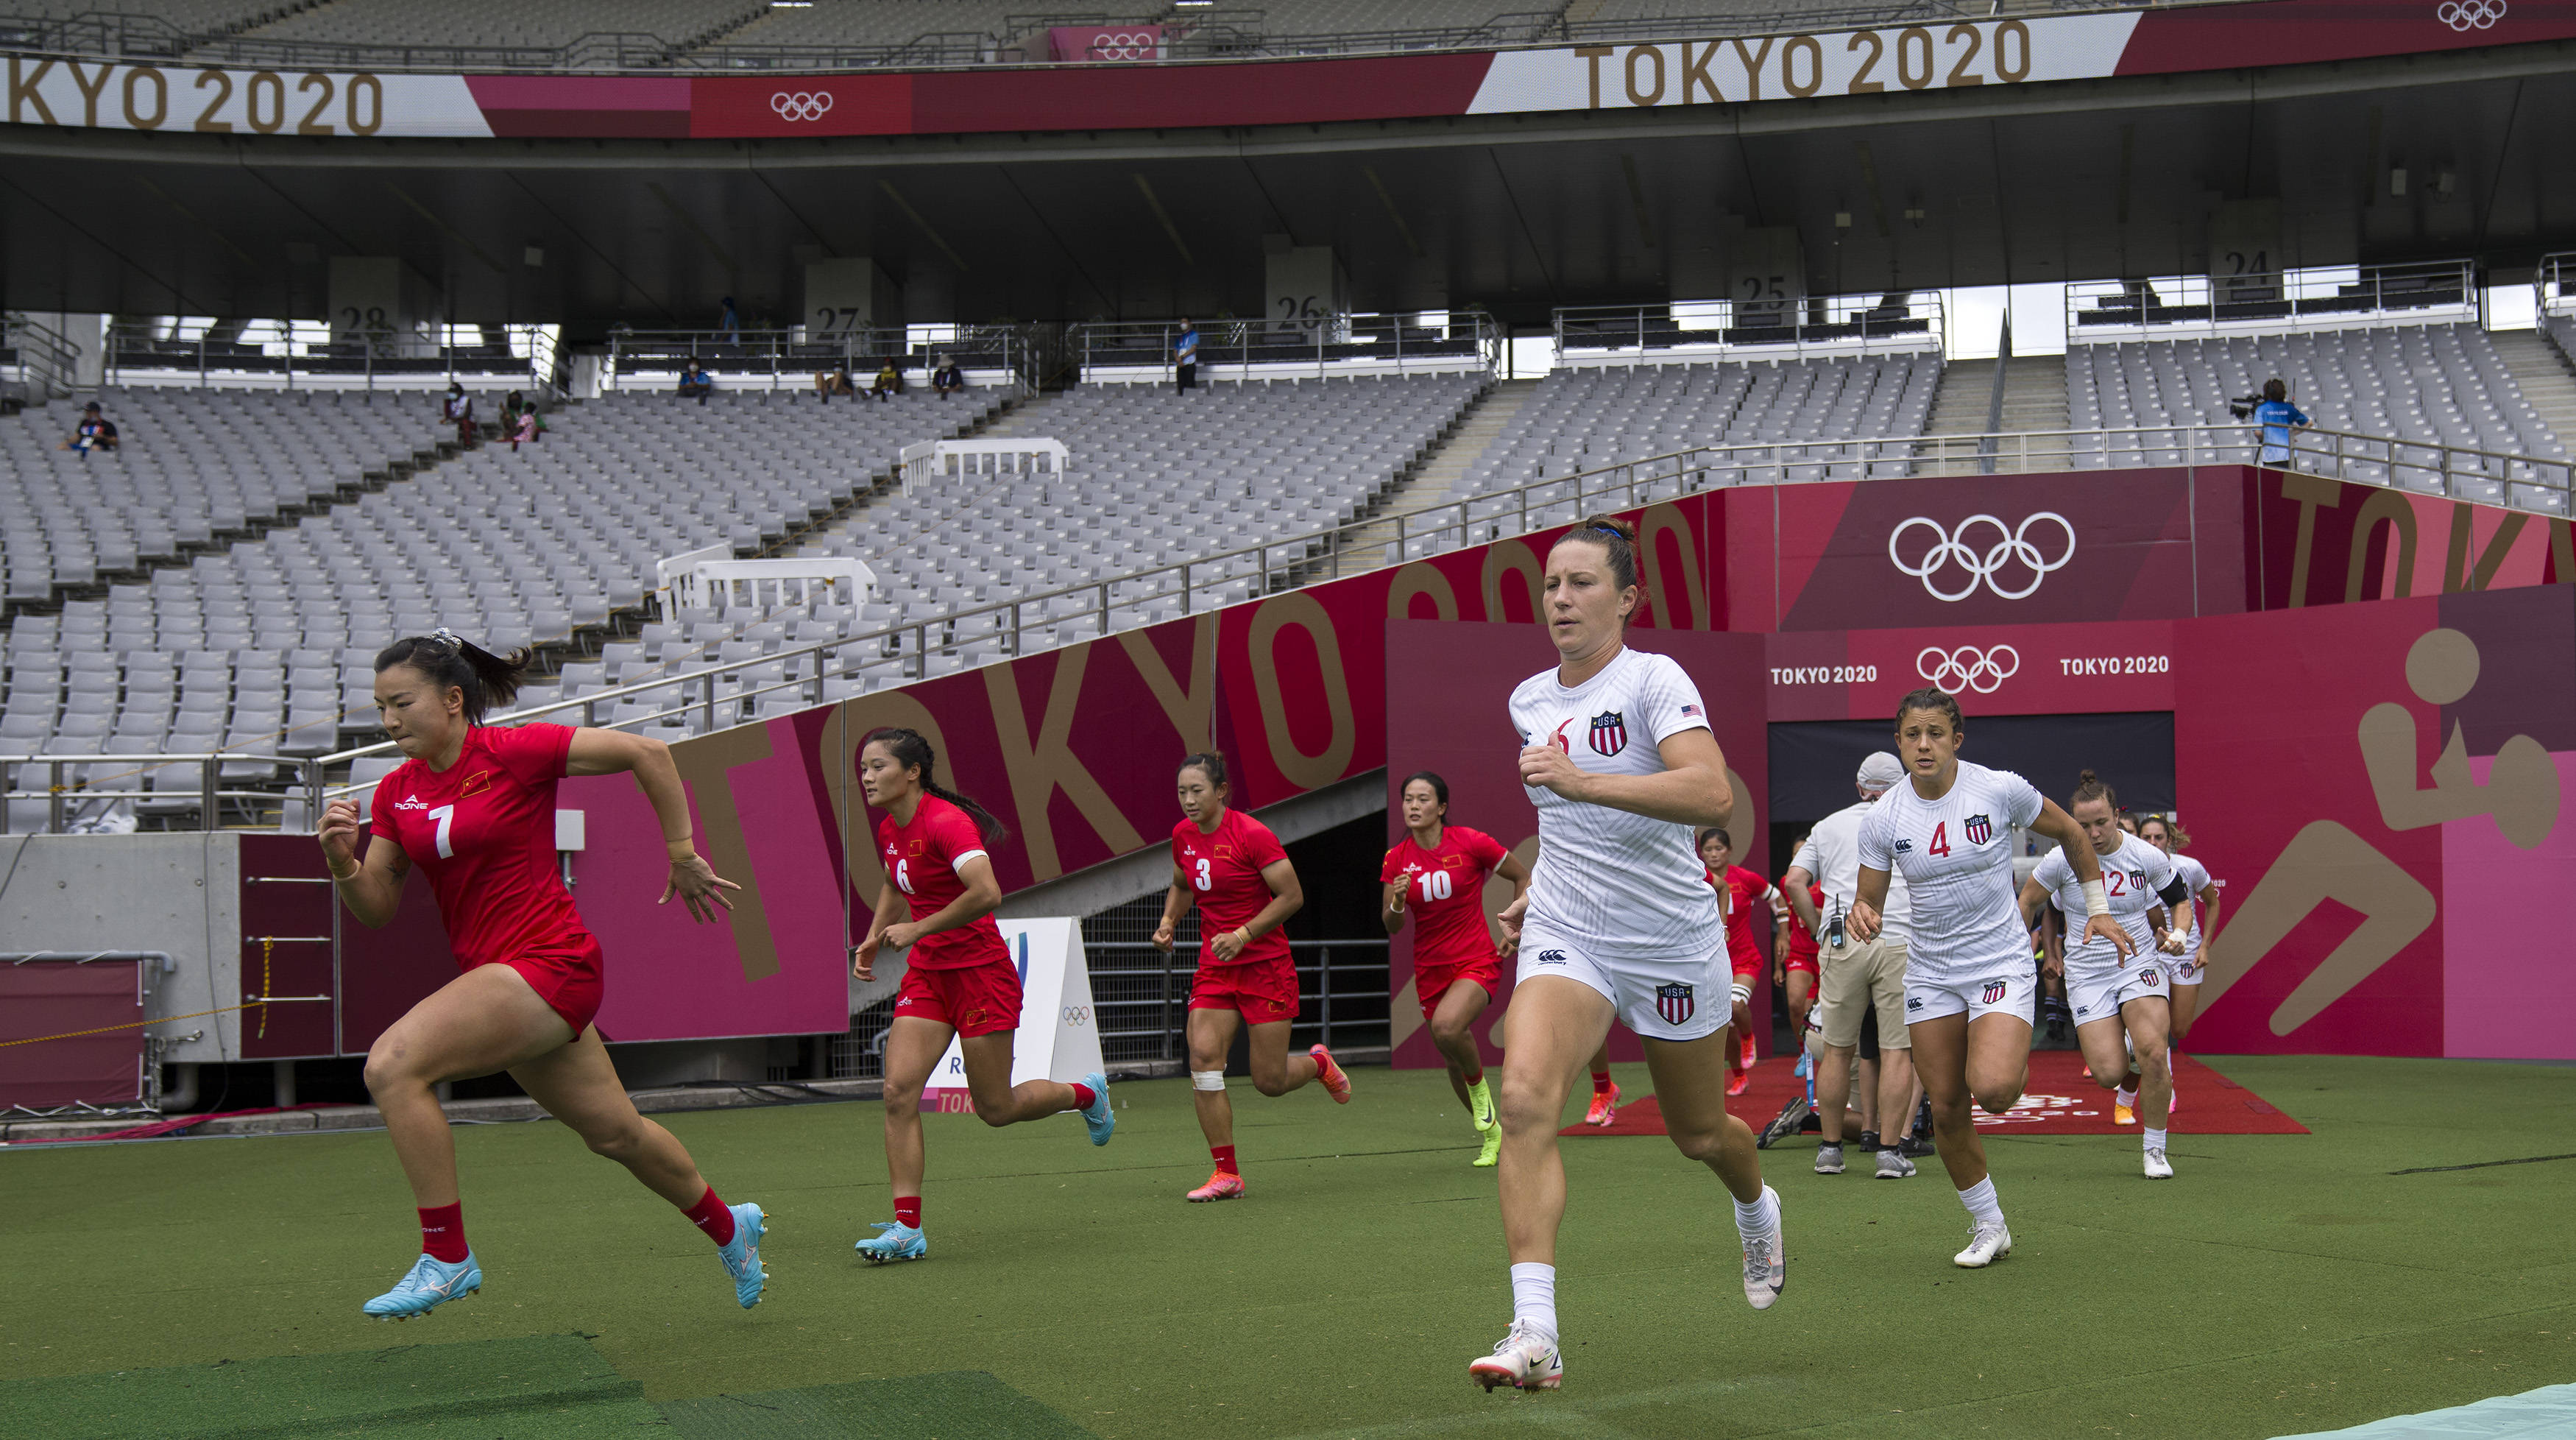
(129,1025)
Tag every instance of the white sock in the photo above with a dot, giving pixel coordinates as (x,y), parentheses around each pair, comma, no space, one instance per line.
(2128,1098)
(1534,1298)
(2155,1139)
(1759,1218)
(1982,1205)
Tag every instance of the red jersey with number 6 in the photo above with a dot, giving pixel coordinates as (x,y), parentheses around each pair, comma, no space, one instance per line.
(483,831)
(922,859)
(1445,890)
(1744,890)
(1223,869)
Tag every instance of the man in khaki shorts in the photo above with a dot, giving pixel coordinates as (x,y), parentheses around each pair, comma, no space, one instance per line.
(1856,978)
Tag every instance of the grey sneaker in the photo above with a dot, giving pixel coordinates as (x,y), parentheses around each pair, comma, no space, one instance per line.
(1829,1159)
(1892,1166)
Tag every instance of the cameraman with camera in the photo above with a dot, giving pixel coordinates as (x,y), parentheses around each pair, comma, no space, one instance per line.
(2273,411)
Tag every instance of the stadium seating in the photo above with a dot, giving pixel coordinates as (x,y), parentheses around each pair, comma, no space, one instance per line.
(192,17)
(861,24)
(1585,419)
(2442,383)
(506,22)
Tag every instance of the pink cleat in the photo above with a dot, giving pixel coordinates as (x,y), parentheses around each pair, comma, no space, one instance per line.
(1605,1107)
(1337,1081)
(1223,1185)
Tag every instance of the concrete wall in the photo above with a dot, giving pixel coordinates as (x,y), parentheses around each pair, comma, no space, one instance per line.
(180,893)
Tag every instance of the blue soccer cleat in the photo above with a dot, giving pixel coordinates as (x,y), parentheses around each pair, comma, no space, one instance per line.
(894,1240)
(429,1284)
(1098,1118)
(741,1255)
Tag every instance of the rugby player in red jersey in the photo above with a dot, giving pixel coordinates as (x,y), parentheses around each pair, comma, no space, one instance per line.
(1740,890)
(1245,889)
(473,807)
(1437,873)
(959,979)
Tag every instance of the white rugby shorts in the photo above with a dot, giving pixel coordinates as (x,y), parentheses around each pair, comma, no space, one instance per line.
(1660,999)
(2099,996)
(2003,990)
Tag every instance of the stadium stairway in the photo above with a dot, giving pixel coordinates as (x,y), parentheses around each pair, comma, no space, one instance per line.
(2544,373)
(1442,475)
(2034,399)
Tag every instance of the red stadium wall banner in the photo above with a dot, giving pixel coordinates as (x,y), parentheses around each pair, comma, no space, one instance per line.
(2384,788)
(1674,71)
(2100,608)
(1447,686)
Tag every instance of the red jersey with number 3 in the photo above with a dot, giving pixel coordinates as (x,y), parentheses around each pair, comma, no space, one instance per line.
(1223,868)
(483,831)
(1445,890)
(922,859)
(1744,890)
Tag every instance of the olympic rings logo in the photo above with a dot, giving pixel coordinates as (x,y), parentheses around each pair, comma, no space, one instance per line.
(1968,668)
(2466,15)
(1077,1014)
(801,104)
(1981,566)
(1125,45)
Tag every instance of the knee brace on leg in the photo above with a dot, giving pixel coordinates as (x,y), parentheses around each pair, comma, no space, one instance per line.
(1207,1079)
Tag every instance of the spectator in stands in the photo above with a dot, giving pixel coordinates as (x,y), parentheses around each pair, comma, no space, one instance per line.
(835,381)
(889,381)
(526,428)
(94,432)
(947,379)
(458,410)
(695,381)
(2278,417)
(729,325)
(511,409)
(1185,357)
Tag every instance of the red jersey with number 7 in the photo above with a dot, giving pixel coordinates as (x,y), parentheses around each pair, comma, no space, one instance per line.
(922,859)
(1445,890)
(483,831)
(1223,869)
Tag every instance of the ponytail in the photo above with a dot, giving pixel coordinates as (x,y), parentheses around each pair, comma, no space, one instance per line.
(912,752)
(487,679)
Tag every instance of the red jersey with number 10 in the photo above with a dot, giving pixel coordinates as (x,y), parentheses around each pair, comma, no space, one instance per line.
(1223,869)
(1445,890)
(483,831)
(922,859)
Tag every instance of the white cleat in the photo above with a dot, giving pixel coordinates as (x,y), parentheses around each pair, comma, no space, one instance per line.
(1766,1261)
(1989,1244)
(1524,1359)
(2158,1168)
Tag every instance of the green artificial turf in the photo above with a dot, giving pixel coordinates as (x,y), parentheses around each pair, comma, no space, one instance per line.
(2280,1284)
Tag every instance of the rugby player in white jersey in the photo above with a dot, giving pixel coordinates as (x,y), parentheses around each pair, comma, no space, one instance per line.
(2166,834)
(2117,1000)
(1969,975)
(1619,923)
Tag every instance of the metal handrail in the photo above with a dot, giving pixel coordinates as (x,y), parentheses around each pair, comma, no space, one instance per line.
(45,356)
(792,355)
(63,796)
(347,359)
(2534,484)
(1319,345)
(1867,323)
(2118,311)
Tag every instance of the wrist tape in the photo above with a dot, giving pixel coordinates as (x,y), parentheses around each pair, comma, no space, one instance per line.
(2094,904)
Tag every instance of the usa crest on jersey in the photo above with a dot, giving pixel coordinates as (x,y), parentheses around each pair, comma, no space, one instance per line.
(1610,734)
(1980,829)
(1675,1004)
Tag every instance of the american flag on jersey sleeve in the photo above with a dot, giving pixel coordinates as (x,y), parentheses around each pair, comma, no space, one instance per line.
(1693,712)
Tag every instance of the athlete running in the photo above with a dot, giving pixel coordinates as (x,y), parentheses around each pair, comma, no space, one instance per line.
(2167,834)
(1437,872)
(1246,890)
(473,807)
(2117,1003)
(958,980)
(1969,975)
(1738,891)
(1620,762)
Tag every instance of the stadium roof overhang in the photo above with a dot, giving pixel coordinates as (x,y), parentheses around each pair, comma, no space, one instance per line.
(2025,183)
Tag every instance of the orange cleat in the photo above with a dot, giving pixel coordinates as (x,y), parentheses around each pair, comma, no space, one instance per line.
(1737,1080)
(1223,1185)
(1749,1055)
(1605,1107)
(1337,1081)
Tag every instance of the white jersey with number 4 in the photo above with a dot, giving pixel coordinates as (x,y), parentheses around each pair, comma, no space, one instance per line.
(2131,877)
(1614,881)
(1956,856)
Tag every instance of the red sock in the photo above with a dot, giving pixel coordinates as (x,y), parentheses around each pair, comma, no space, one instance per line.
(710,1215)
(1084,1097)
(1473,1077)
(442,1233)
(1600,1082)
(1224,1159)
(907,1210)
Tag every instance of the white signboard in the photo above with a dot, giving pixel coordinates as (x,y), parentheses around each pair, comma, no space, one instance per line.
(1059,1036)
